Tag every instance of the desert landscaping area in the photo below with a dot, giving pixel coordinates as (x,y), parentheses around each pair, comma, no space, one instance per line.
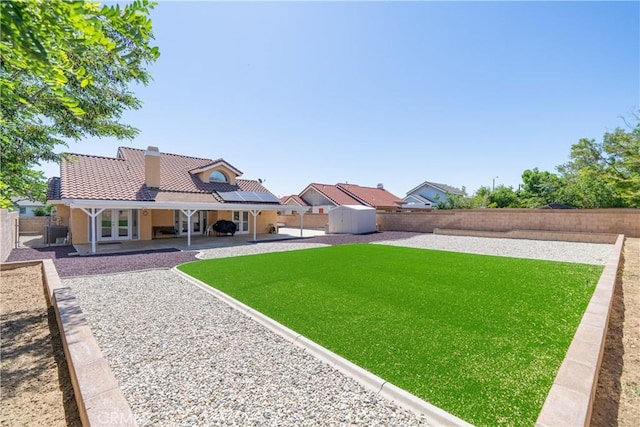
(35,382)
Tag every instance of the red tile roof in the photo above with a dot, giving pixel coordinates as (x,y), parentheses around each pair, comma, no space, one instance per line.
(371,196)
(122,178)
(297,199)
(351,194)
(332,193)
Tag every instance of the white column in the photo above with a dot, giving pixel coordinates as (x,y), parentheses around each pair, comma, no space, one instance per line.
(188,214)
(93,215)
(301,213)
(255,213)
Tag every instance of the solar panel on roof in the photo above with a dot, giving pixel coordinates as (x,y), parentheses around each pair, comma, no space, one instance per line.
(247,196)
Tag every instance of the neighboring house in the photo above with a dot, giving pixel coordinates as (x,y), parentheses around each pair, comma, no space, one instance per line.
(320,198)
(429,195)
(26,207)
(145,194)
(293,200)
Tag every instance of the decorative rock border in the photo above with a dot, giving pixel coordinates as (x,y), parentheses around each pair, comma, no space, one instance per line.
(98,396)
(404,399)
(570,400)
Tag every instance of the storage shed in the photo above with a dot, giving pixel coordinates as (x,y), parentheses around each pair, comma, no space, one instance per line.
(352,219)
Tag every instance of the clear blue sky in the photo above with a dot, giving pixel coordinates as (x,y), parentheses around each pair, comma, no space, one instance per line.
(385,92)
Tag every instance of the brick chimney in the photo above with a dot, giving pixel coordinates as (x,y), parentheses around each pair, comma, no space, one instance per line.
(152,167)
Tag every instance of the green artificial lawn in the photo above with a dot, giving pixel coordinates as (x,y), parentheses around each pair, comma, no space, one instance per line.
(479,336)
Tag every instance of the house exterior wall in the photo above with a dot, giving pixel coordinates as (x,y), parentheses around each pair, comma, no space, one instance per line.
(145,224)
(79,226)
(617,221)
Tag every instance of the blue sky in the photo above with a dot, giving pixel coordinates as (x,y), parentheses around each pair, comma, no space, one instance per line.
(385,92)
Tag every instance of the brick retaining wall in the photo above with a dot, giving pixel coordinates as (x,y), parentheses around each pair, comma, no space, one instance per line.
(606,221)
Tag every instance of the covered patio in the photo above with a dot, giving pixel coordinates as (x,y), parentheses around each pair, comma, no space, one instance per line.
(197,242)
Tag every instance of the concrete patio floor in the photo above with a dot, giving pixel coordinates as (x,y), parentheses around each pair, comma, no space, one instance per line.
(197,242)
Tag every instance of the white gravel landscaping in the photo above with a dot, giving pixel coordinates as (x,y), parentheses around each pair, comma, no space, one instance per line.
(184,358)
(582,253)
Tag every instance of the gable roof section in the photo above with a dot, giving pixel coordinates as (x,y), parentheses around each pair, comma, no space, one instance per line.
(332,193)
(418,198)
(215,163)
(371,196)
(122,178)
(294,198)
(442,187)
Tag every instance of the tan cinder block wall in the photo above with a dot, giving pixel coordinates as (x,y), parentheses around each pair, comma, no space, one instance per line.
(33,225)
(310,220)
(8,232)
(617,221)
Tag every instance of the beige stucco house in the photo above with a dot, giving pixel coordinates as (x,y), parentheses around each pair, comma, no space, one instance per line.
(146,194)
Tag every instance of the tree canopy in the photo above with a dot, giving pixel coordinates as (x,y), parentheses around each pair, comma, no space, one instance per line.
(65,72)
(598,175)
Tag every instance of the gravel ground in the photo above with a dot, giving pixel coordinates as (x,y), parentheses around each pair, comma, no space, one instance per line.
(582,253)
(71,266)
(184,358)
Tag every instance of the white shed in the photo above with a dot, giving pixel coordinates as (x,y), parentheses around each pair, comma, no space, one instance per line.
(352,219)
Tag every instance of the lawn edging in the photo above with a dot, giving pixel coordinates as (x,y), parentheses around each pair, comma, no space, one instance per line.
(570,400)
(402,398)
(97,392)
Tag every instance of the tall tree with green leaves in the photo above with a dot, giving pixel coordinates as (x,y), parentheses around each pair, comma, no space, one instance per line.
(65,72)
(605,174)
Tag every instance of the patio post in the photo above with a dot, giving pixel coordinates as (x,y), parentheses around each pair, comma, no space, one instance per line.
(188,214)
(255,213)
(93,215)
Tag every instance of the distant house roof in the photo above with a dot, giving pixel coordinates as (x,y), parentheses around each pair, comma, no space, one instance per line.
(25,202)
(294,198)
(372,196)
(351,194)
(123,178)
(442,187)
(418,199)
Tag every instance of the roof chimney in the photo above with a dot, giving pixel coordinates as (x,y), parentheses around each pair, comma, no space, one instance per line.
(380,186)
(152,167)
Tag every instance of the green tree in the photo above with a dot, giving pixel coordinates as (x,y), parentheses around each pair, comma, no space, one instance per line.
(503,197)
(539,188)
(65,70)
(605,174)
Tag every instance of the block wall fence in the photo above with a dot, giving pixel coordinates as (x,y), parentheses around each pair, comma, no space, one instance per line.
(8,232)
(34,224)
(310,220)
(607,221)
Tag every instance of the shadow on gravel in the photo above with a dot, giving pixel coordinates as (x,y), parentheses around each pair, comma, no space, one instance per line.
(70,266)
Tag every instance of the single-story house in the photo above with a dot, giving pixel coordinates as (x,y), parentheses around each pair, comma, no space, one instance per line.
(321,198)
(146,194)
(26,207)
(429,195)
